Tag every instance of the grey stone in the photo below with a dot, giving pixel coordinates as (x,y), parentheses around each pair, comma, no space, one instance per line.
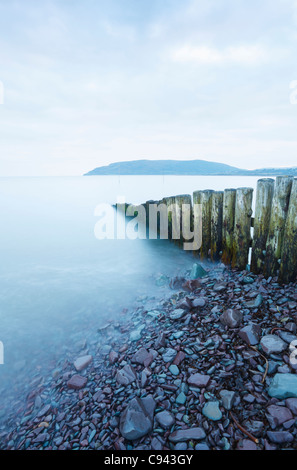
(283,386)
(255,303)
(220,287)
(280,414)
(199,380)
(76,382)
(231,318)
(177,314)
(228,398)
(280,437)
(200,302)
(292,405)
(183,435)
(197,271)
(251,334)
(169,355)
(272,344)
(142,356)
(212,411)
(165,419)
(82,362)
(287,337)
(137,419)
(126,375)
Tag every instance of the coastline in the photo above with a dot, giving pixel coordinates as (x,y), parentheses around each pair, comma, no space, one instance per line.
(198,370)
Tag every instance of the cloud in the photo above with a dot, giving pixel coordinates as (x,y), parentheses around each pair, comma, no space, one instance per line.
(241,55)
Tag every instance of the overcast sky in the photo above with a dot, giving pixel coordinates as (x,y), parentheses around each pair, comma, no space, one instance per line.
(90,82)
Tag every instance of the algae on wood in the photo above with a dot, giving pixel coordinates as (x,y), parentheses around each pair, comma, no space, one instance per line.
(279,209)
(216,225)
(265,190)
(242,227)
(204,198)
(228,225)
(288,267)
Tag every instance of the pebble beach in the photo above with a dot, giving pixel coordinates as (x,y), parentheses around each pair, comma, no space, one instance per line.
(210,366)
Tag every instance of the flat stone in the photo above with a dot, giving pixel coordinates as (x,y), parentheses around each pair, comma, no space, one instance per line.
(181,399)
(255,303)
(272,344)
(246,444)
(231,318)
(179,358)
(177,314)
(220,287)
(287,336)
(76,382)
(183,435)
(174,369)
(169,355)
(137,419)
(165,419)
(292,405)
(251,334)
(197,271)
(283,386)
(212,411)
(280,414)
(199,380)
(280,437)
(198,303)
(126,375)
(82,362)
(142,356)
(113,357)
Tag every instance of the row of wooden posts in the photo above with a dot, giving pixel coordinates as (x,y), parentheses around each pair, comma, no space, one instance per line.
(227,222)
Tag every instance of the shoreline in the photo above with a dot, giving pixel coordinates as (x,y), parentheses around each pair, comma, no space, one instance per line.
(190,373)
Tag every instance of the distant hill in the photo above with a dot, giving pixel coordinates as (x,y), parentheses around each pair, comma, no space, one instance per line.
(180,167)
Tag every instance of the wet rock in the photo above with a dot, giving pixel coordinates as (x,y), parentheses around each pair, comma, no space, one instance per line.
(199,380)
(199,302)
(283,386)
(177,314)
(251,334)
(246,444)
(212,411)
(113,357)
(231,318)
(255,303)
(228,398)
(197,271)
(292,405)
(280,414)
(126,375)
(160,341)
(82,362)
(142,356)
(280,437)
(165,419)
(179,358)
(169,355)
(76,382)
(183,435)
(137,419)
(220,287)
(272,344)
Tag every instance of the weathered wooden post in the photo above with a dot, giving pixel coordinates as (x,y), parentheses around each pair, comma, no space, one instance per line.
(242,227)
(216,225)
(264,195)
(288,266)
(204,198)
(228,225)
(279,209)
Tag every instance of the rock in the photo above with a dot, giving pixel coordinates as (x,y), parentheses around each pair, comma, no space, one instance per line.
(251,334)
(287,337)
(137,419)
(183,435)
(113,357)
(177,314)
(228,398)
(231,318)
(212,411)
(199,380)
(135,335)
(160,341)
(280,414)
(283,386)
(174,369)
(179,358)
(198,303)
(272,344)
(126,375)
(197,271)
(169,355)
(246,444)
(142,356)
(255,303)
(220,287)
(165,419)
(82,362)
(201,446)
(280,437)
(76,382)
(292,405)
(161,280)
(181,398)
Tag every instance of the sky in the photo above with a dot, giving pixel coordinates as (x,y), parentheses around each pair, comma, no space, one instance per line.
(85,83)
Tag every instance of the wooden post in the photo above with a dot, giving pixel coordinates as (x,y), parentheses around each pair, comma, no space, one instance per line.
(228,225)
(204,198)
(242,227)
(216,225)
(185,218)
(265,190)
(288,267)
(279,209)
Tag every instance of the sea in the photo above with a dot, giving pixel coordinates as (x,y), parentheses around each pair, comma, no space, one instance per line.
(59,283)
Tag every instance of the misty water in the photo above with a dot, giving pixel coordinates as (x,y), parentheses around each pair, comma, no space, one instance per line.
(58,282)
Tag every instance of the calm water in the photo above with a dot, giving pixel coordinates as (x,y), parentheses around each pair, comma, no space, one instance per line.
(57,281)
